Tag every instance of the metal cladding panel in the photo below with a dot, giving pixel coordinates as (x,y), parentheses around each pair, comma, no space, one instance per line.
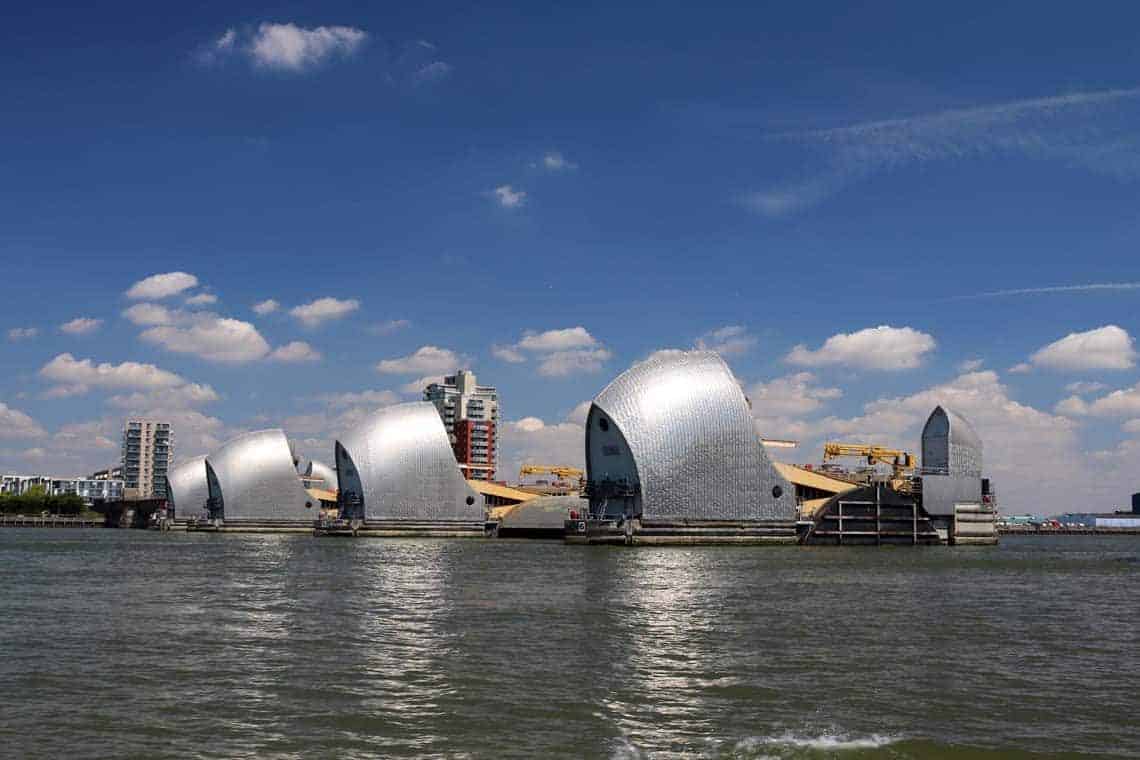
(326,473)
(942,493)
(405,468)
(258,479)
(950,444)
(688,426)
(186,488)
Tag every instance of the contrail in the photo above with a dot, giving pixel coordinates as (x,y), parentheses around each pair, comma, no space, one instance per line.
(1094,131)
(1092,287)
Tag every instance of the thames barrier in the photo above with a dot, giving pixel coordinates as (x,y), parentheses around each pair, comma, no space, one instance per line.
(672,457)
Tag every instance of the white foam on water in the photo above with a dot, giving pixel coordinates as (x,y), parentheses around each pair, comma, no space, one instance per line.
(824,742)
(627,750)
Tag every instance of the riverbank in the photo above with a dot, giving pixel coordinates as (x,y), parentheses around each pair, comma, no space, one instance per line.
(51,521)
(1018,530)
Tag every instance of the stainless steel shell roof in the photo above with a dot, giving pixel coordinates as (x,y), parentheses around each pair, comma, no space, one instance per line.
(324,472)
(962,433)
(690,430)
(401,460)
(950,444)
(186,488)
(257,479)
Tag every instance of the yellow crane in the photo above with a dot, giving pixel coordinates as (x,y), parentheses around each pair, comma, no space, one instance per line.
(901,462)
(557,470)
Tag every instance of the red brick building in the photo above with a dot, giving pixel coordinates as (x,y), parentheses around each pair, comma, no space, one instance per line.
(474,448)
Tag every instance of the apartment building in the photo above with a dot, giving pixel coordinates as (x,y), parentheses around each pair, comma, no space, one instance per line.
(148,447)
(470,412)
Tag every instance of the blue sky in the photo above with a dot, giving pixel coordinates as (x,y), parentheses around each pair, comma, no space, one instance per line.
(459,178)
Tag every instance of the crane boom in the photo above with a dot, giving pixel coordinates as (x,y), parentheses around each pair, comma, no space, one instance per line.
(901,462)
(561,471)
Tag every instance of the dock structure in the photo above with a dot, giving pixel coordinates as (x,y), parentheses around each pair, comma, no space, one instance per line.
(949,502)
(539,517)
(50,521)
(187,493)
(398,476)
(253,487)
(672,457)
(874,515)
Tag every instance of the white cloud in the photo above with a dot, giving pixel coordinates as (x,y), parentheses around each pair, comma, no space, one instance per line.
(67,370)
(212,338)
(84,436)
(1052,128)
(147,314)
(22,333)
(431,73)
(201,299)
(970,365)
(416,387)
(790,396)
(226,41)
(201,333)
(1033,455)
(664,353)
(508,354)
(159,286)
(1118,403)
(562,363)
(81,326)
(558,340)
(218,49)
(268,306)
(425,359)
(389,327)
(15,424)
(728,340)
(369,398)
(1085,386)
(1020,369)
(531,441)
(65,391)
(296,351)
(321,310)
(1108,347)
(579,413)
(288,47)
(1131,426)
(556,162)
(1073,406)
(875,348)
(560,352)
(188,395)
(508,197)
(528,425)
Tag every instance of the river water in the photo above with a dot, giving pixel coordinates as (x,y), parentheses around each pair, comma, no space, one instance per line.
(142,644)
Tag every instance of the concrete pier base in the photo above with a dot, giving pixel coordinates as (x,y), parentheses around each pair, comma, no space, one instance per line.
(401,528)
(249,526)
(637,532)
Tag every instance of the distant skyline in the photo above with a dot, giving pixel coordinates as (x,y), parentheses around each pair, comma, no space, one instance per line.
(247,217)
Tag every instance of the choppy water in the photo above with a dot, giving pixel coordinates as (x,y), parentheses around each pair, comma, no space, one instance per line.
(129,643)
